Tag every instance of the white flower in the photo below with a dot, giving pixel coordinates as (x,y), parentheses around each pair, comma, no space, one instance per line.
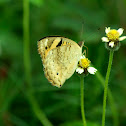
(111,44)
(84,66)
(79,70)
(82,57)
(122,38)
(113,36)
(105,39)
(120,31)
(91,70)
(107,30)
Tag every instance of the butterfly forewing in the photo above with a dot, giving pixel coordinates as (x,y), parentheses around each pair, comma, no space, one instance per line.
(60,57)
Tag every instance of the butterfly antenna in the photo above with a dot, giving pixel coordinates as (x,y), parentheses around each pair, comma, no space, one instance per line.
(85,52)
(92,34)
(82,31)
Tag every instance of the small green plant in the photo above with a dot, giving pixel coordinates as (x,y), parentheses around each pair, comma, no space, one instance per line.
(84,69)
(112,43)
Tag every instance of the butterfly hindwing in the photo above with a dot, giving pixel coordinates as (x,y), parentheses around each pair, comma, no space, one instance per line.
(59,59)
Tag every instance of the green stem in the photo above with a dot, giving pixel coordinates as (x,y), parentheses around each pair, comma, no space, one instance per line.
(82,100)
(38,112)
(111,100)
(113,109)
(106,86)
(27,67)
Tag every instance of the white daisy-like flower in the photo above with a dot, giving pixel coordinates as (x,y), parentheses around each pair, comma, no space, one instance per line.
(111,44)
(113,36)
(79,70)
(84,66)
(92,70)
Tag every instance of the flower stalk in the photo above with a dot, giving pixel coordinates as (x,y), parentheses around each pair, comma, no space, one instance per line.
(106,86)
(82,100)
(27,67)
(83,69)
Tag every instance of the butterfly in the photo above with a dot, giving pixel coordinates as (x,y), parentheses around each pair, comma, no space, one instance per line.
(60,57)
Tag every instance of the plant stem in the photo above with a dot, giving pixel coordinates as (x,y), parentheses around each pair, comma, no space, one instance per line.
(37,110)
(113,109)
(27,67)
(106,86)
(82,100)
(110,99)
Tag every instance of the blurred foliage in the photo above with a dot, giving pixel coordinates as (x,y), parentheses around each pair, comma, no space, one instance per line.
(60,17)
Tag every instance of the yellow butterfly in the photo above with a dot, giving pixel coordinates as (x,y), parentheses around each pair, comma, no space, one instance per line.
(60,57)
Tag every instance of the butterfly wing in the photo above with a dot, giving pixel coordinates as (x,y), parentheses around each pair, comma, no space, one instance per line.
(60,62)
(48,43)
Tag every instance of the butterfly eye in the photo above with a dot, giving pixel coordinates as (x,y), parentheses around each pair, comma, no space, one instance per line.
(46,47)
(60,85)
(57,73)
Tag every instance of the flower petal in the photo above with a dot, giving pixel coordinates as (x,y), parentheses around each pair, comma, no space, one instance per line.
(79,70)
(122,38)
(120,31)
(107,30)
(82,57)
(111,44)
(91,70)
(105,39)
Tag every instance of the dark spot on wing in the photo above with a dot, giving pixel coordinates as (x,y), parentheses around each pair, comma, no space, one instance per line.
(46,47)
(60,43)
(57,73)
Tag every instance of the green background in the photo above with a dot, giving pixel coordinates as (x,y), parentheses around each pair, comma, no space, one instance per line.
(26,97)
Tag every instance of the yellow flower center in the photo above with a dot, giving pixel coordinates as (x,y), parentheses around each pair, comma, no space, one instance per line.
(113,35)
(84,63)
